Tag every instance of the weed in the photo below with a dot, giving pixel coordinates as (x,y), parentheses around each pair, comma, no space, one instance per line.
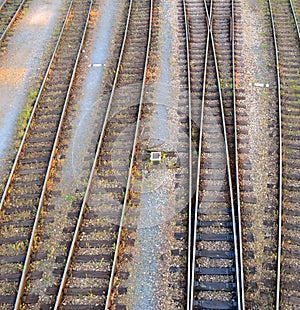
(91,295)
(20,266)
(296,87)
(150,187)
(101,262)
(69,198)
(47,277)
(262,94)
(51,253)
(171,165)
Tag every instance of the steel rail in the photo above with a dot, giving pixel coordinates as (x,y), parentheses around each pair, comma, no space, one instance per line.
(209,26)
(126,196)
(295,18)
(95,163)
(191,301)
(12,19)
(14,166)
(236,159)
(44,188)
(2,5)
(227,159)
(190,196)
(278,280)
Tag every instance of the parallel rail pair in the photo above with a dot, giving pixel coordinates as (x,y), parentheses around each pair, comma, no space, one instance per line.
(9,11)
(286,38)
(233,264)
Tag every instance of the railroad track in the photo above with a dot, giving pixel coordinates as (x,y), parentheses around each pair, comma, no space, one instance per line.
(284,17)
(9,11)
(24,193)
(216,278)
(89,273)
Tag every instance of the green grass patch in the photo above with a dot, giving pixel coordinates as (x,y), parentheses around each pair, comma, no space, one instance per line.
(296,87)
(25,114)
(69,198)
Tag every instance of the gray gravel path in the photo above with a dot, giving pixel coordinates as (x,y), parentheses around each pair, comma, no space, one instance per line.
(88,118)
(154,189)
(19,64)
